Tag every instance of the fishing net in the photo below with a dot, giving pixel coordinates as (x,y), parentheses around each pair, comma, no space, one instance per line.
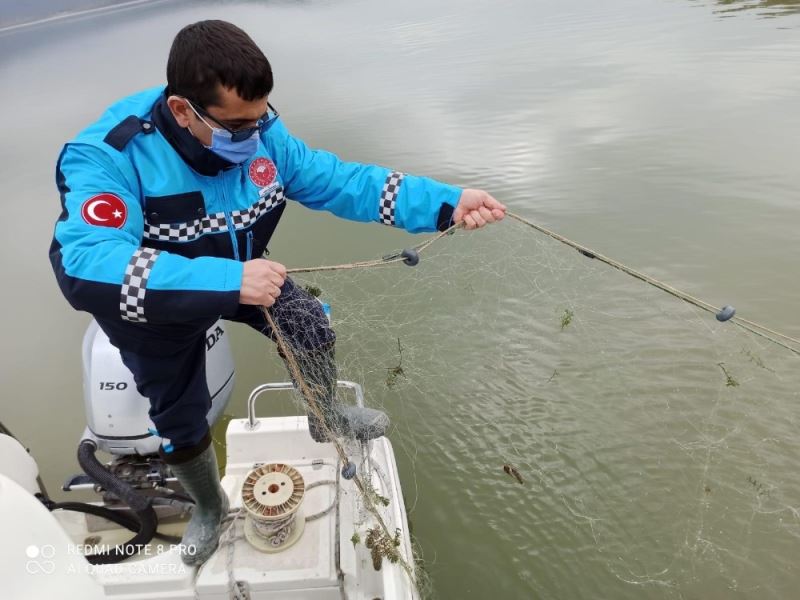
(553,416)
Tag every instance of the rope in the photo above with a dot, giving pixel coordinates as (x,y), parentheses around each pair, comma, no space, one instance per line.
(274,532)
(378,262)
(751,326)
(324,511)
(226,539)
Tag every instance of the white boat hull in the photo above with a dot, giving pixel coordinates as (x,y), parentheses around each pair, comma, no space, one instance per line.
(324,564)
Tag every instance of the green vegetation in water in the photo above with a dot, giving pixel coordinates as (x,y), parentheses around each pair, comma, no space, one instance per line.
(770,8)
(313,290)
(760,488)
(421,572)
(382,546)
(754,358)
(566,318)
(729,380)
(394,372)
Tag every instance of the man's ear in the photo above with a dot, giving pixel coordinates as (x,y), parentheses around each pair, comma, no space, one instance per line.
(180,110)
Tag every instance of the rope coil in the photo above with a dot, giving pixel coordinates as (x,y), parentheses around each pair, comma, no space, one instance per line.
(272,495)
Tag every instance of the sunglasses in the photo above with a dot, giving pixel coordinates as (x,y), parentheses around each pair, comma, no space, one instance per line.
(239,135)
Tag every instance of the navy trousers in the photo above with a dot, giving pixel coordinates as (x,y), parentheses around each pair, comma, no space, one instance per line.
(168,362)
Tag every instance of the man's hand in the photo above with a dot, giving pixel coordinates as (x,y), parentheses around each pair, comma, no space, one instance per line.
(261,282)
(477,208)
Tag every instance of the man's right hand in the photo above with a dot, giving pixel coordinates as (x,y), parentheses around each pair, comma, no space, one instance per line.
(261,282)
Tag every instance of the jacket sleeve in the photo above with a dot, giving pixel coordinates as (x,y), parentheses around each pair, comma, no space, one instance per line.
(319,180)
(98,257)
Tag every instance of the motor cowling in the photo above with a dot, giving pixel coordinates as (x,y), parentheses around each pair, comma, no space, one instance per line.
(117,414)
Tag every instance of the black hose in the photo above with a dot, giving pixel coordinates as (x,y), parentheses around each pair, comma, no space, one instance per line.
(141,505)
(114,516)
(147,524)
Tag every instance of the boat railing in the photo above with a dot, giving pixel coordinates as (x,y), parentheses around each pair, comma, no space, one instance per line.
(252,422)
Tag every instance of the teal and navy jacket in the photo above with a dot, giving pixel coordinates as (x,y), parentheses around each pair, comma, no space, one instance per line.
(155,227)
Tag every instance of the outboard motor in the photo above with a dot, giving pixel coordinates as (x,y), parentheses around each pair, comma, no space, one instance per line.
(137,487)
(117,414)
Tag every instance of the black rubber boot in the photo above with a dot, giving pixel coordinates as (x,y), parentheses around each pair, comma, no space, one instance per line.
(196,469)
(343,420)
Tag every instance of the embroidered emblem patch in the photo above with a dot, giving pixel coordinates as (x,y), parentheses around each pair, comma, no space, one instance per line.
(105,210)
(262,172)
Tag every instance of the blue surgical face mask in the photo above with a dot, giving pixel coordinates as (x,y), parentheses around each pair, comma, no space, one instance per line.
(222,145)
(235,152)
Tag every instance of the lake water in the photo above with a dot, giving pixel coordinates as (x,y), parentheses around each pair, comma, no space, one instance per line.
(663,133)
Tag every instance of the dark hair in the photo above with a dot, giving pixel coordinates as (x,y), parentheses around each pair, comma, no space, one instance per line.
(208,53)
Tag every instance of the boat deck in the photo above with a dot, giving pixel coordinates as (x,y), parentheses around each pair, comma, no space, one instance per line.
(324,564)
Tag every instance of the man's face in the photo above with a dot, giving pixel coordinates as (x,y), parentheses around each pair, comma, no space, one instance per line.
(231,112)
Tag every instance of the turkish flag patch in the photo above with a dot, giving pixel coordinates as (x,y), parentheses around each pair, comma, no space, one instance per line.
(105,210)
(262,171)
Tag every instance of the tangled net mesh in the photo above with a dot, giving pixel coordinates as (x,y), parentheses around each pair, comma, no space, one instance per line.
(569,425)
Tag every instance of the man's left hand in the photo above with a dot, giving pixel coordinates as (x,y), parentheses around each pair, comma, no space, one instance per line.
(477,208)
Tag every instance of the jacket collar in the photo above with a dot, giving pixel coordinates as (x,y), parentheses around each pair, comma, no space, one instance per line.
(193,153)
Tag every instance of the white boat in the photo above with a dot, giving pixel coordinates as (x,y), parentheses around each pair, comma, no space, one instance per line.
(321,555)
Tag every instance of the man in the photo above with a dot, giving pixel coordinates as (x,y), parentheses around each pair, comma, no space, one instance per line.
(168,203)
